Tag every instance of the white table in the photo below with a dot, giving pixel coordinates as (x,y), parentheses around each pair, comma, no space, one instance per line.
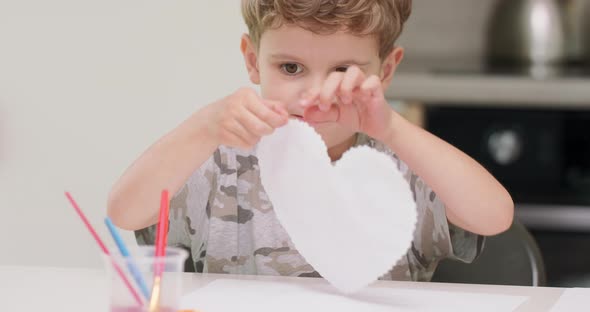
(67,289)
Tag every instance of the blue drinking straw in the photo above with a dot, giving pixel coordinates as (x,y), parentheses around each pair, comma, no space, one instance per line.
(130,263)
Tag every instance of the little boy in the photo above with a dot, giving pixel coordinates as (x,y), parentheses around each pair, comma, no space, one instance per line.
(326,62)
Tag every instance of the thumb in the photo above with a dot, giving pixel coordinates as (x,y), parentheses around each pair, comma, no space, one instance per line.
(276,106)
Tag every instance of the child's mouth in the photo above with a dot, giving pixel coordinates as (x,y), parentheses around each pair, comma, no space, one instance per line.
(301,118)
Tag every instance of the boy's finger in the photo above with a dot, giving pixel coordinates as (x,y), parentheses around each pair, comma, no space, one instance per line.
(239,142)
(240,132)
(267,113)
(328,92)
(353,78)
(372,87)
(276,116)
(277,107)
(254,124)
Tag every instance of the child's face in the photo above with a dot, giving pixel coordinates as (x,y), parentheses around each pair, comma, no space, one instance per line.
(291,60)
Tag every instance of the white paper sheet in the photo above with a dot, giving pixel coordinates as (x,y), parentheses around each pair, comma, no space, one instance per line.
(351,221)
(573,299)
(239,295)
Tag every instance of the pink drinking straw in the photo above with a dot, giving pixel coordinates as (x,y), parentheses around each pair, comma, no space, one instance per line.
(162,230)
(161,238)
(104,249)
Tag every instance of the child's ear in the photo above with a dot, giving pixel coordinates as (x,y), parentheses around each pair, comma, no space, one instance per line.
(251,59)
(390,65)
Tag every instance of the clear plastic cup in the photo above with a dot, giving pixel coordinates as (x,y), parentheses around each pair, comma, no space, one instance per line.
(121,299)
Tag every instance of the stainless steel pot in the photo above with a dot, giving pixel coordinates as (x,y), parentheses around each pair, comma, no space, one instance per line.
(539,32)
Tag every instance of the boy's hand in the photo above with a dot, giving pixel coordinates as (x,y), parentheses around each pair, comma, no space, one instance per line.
(351,99)
(242,118)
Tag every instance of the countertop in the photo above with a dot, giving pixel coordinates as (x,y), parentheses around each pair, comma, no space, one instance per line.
(452,82)
(70,289)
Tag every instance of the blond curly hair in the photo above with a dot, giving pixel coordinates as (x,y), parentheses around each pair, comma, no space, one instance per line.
(382,18)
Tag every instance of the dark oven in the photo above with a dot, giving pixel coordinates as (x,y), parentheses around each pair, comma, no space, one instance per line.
(543,159)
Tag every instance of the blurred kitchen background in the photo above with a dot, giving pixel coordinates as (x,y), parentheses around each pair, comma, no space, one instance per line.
(508,82)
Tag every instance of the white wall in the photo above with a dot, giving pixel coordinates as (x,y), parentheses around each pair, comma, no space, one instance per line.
(85,86)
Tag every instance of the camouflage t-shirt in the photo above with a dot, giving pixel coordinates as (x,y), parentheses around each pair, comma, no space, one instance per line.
(223,215)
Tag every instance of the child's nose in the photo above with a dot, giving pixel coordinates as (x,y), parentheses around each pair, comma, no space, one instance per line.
(294,107)
(316,81)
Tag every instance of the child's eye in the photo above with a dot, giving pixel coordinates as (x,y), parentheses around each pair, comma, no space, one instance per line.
(341,69)
(291,68)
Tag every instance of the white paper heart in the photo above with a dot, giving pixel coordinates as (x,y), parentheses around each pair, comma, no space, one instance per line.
(352,221)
